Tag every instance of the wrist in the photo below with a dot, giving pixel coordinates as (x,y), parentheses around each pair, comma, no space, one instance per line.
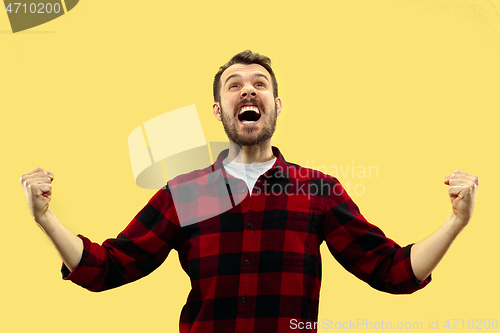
(457,223)
(46,220)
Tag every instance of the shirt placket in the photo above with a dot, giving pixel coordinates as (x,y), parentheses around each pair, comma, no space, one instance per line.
(252,207)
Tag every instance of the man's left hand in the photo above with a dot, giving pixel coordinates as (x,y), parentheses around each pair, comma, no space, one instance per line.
(462,191)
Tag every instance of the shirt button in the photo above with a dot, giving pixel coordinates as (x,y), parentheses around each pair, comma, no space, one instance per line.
(257,190)
(250,224)
(242,191)
(243,300)
(247,261)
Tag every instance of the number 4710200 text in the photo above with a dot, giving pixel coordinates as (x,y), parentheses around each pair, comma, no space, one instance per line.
(34,8)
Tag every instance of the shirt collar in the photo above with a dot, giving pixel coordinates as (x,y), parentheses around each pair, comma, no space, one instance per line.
(278,170)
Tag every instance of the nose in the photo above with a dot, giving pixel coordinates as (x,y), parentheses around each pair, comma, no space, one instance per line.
(247,91)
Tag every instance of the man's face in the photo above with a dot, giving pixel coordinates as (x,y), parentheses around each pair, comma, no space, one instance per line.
(248,109)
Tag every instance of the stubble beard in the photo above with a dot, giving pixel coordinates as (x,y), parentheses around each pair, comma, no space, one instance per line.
(247,139)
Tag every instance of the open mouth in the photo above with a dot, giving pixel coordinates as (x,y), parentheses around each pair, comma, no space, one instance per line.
(249,114)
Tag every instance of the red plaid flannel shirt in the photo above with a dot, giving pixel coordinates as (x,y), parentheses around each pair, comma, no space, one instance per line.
(254,261)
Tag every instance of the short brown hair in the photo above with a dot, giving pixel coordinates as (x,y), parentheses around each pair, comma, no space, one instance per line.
(247,58)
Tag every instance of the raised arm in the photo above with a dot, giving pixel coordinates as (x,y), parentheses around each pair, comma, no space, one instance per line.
(426,255)
(37,186)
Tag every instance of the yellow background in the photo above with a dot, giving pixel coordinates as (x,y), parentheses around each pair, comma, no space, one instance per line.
(411,87)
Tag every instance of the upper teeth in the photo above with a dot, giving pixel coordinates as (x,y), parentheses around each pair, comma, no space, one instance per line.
(249,108)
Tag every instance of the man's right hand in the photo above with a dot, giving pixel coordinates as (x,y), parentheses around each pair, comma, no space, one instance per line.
(37,186)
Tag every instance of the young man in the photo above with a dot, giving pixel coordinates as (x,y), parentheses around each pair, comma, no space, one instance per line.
(248,228)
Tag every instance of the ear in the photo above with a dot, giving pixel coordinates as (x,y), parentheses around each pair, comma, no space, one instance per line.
(216,111)
(279,106)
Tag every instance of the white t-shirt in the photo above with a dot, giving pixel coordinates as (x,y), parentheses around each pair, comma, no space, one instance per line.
(247,172)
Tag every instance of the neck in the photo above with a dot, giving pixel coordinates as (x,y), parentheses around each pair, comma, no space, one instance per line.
(250,154)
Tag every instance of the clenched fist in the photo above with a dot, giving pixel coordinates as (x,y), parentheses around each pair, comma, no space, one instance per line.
(462,191)
(37,186)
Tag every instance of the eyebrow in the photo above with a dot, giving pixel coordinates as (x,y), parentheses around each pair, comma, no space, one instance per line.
(238,75)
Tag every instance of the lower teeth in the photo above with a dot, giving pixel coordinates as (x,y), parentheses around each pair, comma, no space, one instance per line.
(247,121)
